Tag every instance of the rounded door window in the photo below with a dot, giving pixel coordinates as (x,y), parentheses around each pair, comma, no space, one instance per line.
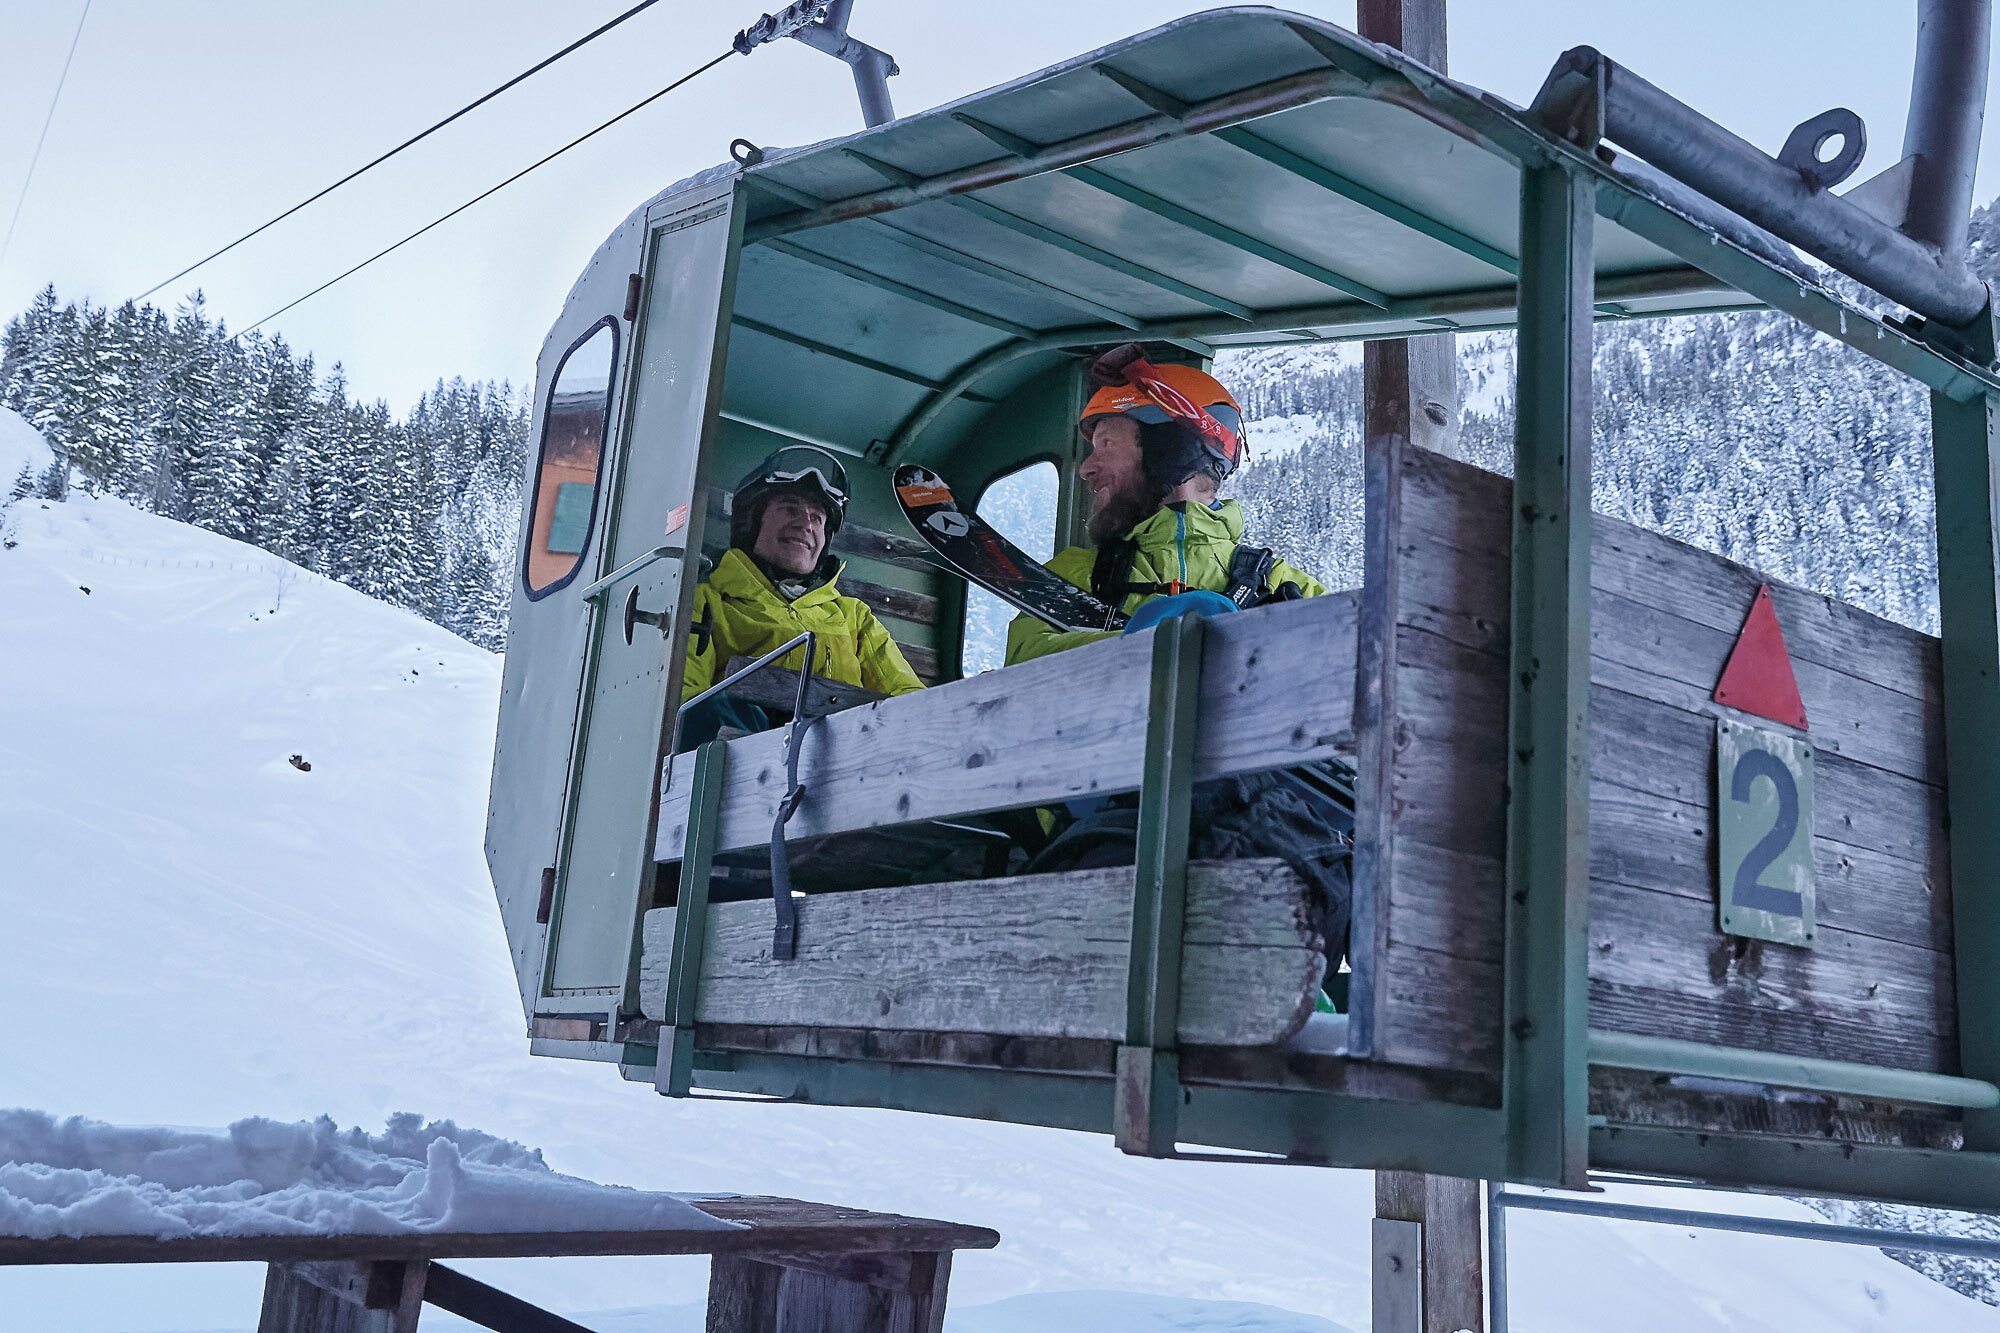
(566,475)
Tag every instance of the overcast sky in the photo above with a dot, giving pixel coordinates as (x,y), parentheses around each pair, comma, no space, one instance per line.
(186,122)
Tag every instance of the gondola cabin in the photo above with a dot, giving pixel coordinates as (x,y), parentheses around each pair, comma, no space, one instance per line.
(1602,919)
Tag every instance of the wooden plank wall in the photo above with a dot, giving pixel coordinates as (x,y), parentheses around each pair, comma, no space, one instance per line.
(1664,616)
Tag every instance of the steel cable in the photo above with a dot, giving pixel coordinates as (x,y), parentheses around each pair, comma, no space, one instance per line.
(487,194)
(532,70)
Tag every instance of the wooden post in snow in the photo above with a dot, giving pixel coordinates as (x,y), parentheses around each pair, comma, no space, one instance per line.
(1428,1274)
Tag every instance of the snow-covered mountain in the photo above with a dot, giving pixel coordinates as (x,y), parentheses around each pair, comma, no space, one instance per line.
(240,870)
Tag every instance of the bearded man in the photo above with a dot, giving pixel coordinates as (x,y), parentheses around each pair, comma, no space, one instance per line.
(1162,440)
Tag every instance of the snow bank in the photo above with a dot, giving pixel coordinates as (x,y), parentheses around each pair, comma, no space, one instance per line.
(21,445)
(260,1177)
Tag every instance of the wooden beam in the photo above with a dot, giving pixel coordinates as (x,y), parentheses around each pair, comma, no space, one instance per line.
(1058,728)
(489,1307)
(1030,956)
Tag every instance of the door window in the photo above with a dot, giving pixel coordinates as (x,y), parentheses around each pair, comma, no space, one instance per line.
(1022,506)
(572,453)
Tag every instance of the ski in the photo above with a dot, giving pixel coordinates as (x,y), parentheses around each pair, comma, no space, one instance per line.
(969,545)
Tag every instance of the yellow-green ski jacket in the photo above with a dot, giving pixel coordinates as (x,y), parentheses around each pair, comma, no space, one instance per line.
(747,617)
(1185,543)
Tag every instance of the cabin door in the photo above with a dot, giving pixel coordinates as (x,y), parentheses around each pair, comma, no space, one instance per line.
(603,862)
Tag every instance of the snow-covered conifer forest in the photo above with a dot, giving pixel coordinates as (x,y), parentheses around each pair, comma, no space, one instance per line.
(245,437)
(1748,435)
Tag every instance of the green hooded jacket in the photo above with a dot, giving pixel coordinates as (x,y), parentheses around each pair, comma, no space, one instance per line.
(747,617)
(1184,543)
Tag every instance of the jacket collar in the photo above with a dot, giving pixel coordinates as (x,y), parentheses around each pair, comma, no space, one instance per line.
(736,576)
(1222,522)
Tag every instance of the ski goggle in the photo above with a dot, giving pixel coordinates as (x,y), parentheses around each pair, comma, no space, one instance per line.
(795,464)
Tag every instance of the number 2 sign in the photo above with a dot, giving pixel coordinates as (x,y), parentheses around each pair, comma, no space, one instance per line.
(1763,823)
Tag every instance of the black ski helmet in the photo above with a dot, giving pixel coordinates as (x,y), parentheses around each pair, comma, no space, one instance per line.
(802,467)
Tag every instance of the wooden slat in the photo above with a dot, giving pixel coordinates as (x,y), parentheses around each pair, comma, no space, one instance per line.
(1031,956)
(922,660)
(1050,730)
(1658,967)
(1632,1097)
(919,607)
(889,547)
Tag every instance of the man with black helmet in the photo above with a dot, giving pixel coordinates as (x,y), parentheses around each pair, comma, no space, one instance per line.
(778,580)
(1162,439)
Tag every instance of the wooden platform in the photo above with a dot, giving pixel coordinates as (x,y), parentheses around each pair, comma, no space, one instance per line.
(792,1267)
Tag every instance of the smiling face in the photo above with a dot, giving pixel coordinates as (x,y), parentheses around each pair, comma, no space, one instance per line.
(792,533)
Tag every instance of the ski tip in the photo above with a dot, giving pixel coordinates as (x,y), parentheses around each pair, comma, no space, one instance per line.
(919,487)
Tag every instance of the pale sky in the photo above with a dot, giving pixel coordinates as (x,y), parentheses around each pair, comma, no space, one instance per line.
(186,122)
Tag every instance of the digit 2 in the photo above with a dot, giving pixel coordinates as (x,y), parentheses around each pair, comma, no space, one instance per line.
(1748,891)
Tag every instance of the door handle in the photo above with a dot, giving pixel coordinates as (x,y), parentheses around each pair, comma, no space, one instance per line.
(664,618)
(598,588)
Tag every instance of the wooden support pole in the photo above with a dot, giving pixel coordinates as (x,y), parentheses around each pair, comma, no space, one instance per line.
(841,1293)
(1446,1212)
(1427,1272)
(343,1296)
(1411,384)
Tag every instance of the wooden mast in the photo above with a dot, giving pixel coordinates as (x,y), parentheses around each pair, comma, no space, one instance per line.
(1427,1261)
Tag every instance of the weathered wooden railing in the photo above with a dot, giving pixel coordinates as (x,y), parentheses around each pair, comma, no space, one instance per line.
(1275,690)
(1410,677)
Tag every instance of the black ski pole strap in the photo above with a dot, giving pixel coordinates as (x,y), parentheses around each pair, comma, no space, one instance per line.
(785,934)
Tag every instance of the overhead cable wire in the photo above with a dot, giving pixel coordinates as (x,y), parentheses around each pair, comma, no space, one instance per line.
(471,106)
(43,137)
(437,222)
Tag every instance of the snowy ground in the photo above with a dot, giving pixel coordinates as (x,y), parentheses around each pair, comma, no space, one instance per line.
(198,929)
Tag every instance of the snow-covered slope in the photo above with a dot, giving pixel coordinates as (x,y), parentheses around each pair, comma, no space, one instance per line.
(197,928)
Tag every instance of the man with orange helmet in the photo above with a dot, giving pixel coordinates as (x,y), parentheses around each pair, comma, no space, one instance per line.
(1162,440)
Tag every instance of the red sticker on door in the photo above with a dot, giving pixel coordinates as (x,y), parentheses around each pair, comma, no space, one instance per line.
(677,519)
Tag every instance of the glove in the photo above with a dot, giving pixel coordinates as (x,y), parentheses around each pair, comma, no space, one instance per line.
(1166,608)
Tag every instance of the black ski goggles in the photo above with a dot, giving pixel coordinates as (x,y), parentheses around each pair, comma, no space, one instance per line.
(798,463)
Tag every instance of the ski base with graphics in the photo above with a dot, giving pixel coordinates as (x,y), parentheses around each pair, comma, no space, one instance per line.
(976,551)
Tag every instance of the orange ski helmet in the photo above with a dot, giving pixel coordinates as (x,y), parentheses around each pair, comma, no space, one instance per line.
(1154,395)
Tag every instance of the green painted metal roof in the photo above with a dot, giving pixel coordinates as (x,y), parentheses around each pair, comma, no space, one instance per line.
(1242,176)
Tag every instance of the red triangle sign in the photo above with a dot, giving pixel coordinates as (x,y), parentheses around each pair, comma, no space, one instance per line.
(1758,678)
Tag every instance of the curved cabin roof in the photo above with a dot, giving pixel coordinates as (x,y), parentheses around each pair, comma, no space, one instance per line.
(1241,176)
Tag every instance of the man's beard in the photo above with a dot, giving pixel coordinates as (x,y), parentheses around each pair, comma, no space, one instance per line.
(1127,507)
